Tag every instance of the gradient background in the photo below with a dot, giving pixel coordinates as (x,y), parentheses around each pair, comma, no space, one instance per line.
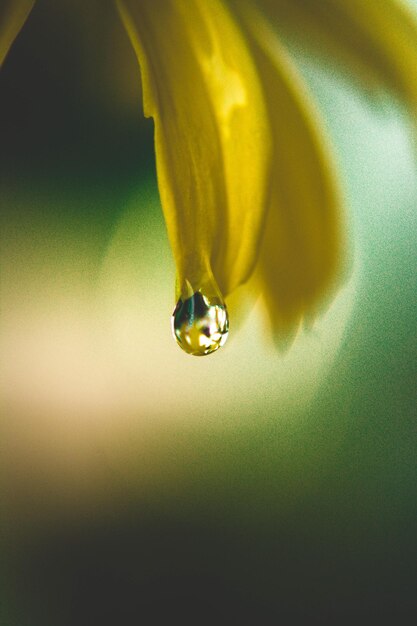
(140,485)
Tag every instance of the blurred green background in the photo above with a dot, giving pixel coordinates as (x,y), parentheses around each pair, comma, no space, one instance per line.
(140,485)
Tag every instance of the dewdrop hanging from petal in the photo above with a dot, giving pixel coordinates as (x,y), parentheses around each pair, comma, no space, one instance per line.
(200,321)
(213,152)
(200,325)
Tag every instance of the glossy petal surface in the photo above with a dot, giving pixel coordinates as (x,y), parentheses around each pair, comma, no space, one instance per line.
(211,135)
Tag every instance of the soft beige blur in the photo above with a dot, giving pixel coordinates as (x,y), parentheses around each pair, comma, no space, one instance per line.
(93,383)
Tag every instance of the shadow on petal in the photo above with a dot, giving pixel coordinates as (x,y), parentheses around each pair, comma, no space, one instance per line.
(376,41)
(13,15)
(303,255)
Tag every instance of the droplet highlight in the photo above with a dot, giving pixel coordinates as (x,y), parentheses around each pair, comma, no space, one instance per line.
(200,324)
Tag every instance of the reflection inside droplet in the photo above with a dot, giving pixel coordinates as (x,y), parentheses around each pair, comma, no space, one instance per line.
(200,325)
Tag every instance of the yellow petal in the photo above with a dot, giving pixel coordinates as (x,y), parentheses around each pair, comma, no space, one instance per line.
(302,253)
(13,14)
(211,135)
(376,38)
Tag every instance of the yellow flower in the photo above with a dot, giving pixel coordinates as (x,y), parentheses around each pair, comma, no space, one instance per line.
(245,172)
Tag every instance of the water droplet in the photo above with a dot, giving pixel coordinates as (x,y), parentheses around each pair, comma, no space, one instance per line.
(200,324)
